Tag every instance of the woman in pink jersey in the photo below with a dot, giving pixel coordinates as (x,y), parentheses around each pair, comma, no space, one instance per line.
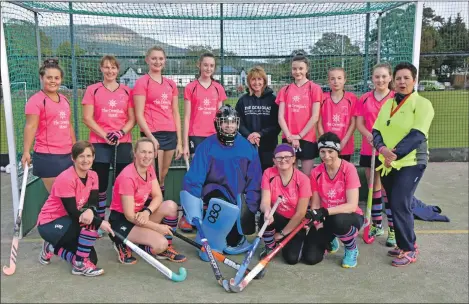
(202,98)
(68,221)
(335,185)
(157,112)
(283,179)
(48,122)
(337,112)
(138,211)
(367,111)
(298,114)
(109,114)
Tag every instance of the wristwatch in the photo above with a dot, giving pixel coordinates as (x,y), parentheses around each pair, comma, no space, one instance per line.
(147,209)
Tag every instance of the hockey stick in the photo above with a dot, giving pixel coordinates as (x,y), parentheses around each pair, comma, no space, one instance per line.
(9,270)
(263,263)
(239,275)
(213,263)
(217,255)
(369,203)
(115,164)
(176,277)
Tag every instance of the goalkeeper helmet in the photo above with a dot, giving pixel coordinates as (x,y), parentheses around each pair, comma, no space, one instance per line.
(227,125)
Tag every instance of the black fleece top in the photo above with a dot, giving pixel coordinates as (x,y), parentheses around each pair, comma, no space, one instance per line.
(260,114)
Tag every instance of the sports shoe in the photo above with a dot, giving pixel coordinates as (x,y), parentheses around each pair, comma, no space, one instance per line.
(376,231)
(266,251)
(86,268)
(124,254)
(172,255)
(396,251)
(350,258)
(46,254)
(184,225)
(405,258)
(335,245)
(391,240)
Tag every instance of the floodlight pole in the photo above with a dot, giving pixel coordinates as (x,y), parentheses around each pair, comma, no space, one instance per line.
(9,122)
(378,51)
(74,71)
(367,49)
(38,39)
(417,37)
(221,46)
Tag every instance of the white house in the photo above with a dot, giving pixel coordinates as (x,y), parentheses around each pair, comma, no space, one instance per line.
(130,76)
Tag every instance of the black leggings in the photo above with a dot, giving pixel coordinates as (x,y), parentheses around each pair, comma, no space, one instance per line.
(102,169)
(312,245)
(317,241)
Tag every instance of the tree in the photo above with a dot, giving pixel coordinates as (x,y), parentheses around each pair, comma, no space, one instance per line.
(430,42)
(336,50)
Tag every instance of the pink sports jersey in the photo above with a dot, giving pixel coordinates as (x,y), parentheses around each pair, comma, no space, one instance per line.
(368,107)
(333,192)
(111,109)
(204,106)
(53,133)
(298,105)
(298,187)
(67,184)
(336,117)
(129,182)
(158,110)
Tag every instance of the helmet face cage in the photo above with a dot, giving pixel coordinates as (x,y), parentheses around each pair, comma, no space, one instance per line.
(227,138)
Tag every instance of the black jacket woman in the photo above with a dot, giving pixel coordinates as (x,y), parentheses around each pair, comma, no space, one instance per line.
(258,116)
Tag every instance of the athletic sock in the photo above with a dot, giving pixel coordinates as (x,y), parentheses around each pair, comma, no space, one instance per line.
(387,207)
(86,241)
(268,238)
(147,249)
(349,238)
(64,254)
(171,222)
(101,210)
(377,209)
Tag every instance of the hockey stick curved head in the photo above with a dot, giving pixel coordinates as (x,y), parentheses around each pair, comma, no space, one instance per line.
(179,277)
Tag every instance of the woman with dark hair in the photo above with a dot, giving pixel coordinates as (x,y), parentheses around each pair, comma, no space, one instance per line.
(335,185)
(298,114)
(400,135)
(68,221)
(48,123)
(258,116)
(108,112)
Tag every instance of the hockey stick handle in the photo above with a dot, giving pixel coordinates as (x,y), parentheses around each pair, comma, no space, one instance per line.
(366,231)
(176,277)
(263,263)
(11,268)
(272,212)
(187,164)
(208,250)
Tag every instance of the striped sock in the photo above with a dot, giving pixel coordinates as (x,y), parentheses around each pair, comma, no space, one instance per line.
(147,249)
(377,209)
(349,238)
(64,254)
(171,222)
(86,241)
(268,238)
(101,210)
(387,207)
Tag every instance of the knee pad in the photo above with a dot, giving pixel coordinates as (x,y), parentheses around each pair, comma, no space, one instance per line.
(247,220)
(192,206)
(217,223)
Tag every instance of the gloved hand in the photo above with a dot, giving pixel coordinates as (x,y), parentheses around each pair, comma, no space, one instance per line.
(115,136)
(317,215)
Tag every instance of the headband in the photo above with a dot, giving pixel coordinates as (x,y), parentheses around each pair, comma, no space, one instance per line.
(284,148)
(329,144)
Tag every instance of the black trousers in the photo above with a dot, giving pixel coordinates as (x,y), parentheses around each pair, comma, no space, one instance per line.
(102,169)
(310,247)
(400,187)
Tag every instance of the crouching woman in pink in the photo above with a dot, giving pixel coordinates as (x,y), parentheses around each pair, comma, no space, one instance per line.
(68,221)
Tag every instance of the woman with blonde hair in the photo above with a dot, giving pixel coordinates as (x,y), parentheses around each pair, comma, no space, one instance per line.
(258,114)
